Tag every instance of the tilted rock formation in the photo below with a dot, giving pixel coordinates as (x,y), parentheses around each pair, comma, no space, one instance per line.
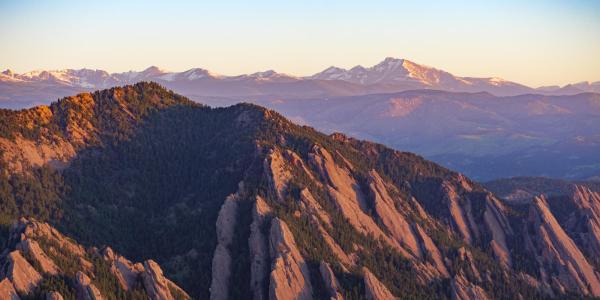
(279,173)
(391,218)
(555,248)
(7,290)
(126,272)
(496,223)
(33,249)
(582,221)
(157,286)
(39,249)
(221,266)
(433,252)
(348,196)
(22,275)
(462,216)
(462,289)
(331,283)
(375,290)
(259,249)
(290,277)
(86,290)
(54,296)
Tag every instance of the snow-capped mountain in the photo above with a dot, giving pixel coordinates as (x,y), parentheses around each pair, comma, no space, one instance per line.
(389,76)
(393,71)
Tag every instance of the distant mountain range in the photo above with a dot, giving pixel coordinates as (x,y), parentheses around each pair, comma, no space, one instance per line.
(390,75)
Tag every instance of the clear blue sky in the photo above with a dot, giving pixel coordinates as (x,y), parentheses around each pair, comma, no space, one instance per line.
(533,42)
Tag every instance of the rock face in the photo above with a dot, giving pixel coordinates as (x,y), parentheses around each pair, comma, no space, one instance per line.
(157,286)
(54,296)
(582,220)
(290,277)
(555,248)
(375,290)
(259,249)
(347,195)
(32,248)
(331,283)
(22,275)
(462,289)
(35,251)
(221,266)
(7,290)
(86,290)
(391,218)
(126,272)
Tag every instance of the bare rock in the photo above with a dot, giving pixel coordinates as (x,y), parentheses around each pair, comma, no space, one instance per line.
(433,252)
(392,219)
(461,216)
(156,285)
(54,296)
(7,290)
(462,289)
(221,264)
(290,277)
(259,249)
(331,283)
(348,196)
(374,289)
(558,249)
(279,175)
(32,248)
(22,275)
(496,222)
(86,290)
(123,269)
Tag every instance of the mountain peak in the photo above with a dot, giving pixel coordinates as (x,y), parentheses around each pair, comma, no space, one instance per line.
(154,70)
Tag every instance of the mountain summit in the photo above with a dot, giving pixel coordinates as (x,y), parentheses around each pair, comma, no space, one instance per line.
(239,202)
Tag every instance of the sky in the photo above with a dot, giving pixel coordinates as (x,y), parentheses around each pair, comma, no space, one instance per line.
(531,42)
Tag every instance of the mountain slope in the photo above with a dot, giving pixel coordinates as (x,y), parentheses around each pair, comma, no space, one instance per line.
(238,201)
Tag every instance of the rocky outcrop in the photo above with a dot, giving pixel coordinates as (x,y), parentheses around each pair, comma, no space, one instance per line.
(331,283)
(432,251)
(462,289)
(290,277)
(21,154)
(7,290)
(32,229)
(54,296)
(36,249)
(461,214)
(561,261)
(496,223)
(374,289)
(86,290)
(124,270)
(582,221)
(32,248)
(395,222)
(259,249)
(157,286)
(348,196)
(22,275)
(221,264)
(318,216)
(278,172)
